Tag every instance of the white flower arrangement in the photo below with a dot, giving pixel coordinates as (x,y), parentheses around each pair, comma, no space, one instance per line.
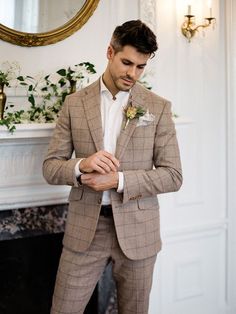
(46,94)
(9,72)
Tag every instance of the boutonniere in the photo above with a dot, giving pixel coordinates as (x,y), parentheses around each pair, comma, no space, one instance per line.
(132,112)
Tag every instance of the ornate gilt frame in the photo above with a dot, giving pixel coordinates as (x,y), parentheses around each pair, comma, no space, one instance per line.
(51,37)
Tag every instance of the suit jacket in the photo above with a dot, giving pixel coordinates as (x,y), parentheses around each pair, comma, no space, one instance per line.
(149,158)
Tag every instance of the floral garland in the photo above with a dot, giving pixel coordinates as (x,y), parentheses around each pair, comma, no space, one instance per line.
(46,94)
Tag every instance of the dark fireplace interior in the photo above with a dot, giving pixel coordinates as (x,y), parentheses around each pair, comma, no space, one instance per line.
(28,266)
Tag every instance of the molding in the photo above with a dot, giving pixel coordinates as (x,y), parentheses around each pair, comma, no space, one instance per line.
(62,198)
(194,287)
(35,130)
(29,131)
(186,233)
(148,13)
(230,16)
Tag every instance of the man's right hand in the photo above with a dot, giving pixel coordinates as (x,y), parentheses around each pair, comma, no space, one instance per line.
(101,162)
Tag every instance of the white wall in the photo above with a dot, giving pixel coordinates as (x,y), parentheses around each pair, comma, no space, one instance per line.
(88,44)
(191,274)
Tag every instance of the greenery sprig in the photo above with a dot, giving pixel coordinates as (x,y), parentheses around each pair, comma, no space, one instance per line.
(46,94)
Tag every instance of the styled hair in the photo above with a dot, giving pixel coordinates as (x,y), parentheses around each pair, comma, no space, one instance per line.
(136,34)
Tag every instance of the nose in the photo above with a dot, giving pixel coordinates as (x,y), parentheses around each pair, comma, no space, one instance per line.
(131,72)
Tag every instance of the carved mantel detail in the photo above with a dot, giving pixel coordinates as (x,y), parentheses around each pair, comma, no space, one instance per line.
(148,13)
(21,181)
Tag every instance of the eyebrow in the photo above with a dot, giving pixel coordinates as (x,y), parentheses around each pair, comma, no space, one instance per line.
(127,60)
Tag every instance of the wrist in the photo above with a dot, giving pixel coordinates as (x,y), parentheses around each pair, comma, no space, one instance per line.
(81,166)
(116,179)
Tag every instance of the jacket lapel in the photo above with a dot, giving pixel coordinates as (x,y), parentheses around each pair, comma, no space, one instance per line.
(137,99)
(93,113)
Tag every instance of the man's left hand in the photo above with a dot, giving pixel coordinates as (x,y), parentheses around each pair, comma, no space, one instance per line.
(100,182)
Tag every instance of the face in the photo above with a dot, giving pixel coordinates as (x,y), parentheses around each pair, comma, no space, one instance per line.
(124,68)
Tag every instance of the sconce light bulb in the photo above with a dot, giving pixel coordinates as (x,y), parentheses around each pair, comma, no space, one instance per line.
(209,4)
(189,9)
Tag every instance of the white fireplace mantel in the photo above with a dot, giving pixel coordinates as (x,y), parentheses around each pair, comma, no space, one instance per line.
(33,130)
(21,157)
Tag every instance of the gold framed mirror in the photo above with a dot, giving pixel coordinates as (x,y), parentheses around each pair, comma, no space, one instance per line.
(73,19)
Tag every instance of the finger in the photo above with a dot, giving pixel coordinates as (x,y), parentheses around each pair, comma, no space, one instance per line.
(107,164)
(104,163)
(112,158)
(98,165)
(98,168)
(87,178)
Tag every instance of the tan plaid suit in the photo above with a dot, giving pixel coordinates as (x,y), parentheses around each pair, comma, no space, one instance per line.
(149,159)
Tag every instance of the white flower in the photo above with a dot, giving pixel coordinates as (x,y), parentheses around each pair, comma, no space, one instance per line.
(54,78)
(9,72)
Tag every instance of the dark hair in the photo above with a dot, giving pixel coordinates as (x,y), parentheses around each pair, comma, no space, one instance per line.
(136,34)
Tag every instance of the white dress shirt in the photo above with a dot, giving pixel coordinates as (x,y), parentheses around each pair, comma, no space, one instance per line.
(112,115)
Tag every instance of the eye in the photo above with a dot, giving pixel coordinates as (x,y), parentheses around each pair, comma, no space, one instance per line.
(126,62)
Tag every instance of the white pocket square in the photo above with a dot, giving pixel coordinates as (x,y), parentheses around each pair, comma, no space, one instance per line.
(146,119)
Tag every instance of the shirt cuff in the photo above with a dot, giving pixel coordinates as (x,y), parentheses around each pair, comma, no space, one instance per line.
(120,188)
(77,170)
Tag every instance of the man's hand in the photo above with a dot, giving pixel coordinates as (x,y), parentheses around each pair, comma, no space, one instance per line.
(100,182)
(101,162)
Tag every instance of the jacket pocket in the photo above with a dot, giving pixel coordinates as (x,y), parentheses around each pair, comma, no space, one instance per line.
(148,203)
(76,194)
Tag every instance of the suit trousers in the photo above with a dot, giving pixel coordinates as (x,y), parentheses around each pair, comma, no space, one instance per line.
(78,274)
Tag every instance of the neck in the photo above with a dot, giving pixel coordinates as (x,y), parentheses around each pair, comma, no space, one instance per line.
(107,80)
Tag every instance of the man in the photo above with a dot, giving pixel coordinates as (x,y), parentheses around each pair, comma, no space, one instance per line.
(126,153)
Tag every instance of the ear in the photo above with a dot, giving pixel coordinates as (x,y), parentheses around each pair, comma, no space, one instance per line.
(110,52)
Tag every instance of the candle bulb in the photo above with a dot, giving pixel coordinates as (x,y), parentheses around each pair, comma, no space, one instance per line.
(209,4)
(210,12)
(189,9)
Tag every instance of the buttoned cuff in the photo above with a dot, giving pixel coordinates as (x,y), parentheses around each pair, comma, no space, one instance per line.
(120,188)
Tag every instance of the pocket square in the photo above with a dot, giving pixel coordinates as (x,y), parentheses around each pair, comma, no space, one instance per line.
(146,119)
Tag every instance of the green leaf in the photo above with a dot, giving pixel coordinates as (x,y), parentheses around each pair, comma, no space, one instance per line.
(20,78)
(12,128)
(30,88)
(62,72)
(31,100)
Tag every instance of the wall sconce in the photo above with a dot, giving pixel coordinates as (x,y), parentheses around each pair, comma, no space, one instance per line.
(189,28)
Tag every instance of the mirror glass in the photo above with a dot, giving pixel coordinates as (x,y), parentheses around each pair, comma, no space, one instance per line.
(42,22)
(38,16)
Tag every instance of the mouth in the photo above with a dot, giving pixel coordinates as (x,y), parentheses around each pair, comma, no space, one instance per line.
(127,81)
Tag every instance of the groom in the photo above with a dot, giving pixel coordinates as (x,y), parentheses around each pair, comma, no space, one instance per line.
(126,153)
